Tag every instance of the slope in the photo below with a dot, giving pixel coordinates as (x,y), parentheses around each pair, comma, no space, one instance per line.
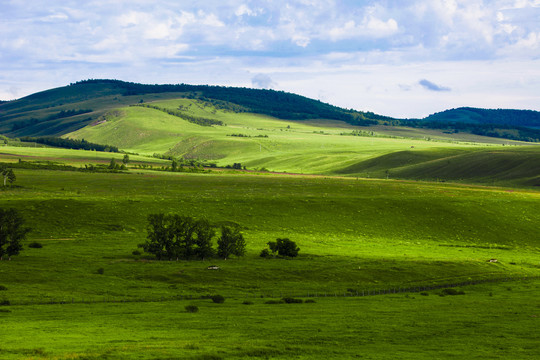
(65,109)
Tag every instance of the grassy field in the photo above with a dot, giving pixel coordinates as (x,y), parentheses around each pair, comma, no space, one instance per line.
(316,147)
(354,235)
(496,321)
(362,214)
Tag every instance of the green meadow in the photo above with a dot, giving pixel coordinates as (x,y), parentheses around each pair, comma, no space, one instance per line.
(396,216)
(355,235)
(323,147)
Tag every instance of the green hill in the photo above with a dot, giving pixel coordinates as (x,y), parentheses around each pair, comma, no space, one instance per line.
(525,118)
(500,166)
(65,109)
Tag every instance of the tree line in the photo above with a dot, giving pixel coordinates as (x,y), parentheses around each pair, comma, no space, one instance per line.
(70,143)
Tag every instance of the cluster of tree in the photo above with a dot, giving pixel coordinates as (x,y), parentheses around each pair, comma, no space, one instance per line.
(70,143)
(236,166)
(183,237)
(12,233)
(192,119)
(113,165)
(281,247)
(248,136)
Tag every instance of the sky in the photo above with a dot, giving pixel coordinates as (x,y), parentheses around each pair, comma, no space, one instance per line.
(401,58)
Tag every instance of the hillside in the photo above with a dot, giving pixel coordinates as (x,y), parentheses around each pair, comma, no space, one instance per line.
(522,118)
(65,109)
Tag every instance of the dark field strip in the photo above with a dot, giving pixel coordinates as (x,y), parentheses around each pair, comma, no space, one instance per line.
(273,295)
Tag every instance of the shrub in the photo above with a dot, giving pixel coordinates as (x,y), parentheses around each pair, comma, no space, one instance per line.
(4,303)
(3,288)
(191,308)
(218,299)
(35,245)
(424,293)
(136,252)
(5,311)
(273,302)
(100,271)
(246,302)
(290,300)
(309,301)
(445,292)
(265,253)
(284,247)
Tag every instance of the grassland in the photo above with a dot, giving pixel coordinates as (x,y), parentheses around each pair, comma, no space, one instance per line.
(316,147)
(354,235)
(362,213)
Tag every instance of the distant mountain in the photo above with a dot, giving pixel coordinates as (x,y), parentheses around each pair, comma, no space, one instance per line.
(523,118)
(66,109)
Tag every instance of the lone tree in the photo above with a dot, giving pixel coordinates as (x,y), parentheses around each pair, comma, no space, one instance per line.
(231,242)
(12,233)
(125,160)
(9,175)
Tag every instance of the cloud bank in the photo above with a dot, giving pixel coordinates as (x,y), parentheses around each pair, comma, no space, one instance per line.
(361,54)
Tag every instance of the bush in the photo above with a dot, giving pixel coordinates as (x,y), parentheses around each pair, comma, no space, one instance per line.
(265,253)
(273,302)
(284,247)
(191,308)
(100,271)
(136,252)
(246,302)
(445,292)
(4,303)
(424,293)
(3,288)
(290,300)
(309,301)
(35,245)
(218,299)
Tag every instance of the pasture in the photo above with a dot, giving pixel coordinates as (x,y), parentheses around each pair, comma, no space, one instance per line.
(354,234)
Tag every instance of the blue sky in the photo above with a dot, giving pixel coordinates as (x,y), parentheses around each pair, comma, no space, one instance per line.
(405,58)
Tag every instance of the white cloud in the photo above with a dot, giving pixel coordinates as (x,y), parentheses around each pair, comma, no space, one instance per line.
(358,54)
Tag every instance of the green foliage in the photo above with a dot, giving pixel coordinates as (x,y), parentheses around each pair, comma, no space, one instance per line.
(174,236)
(191,308)
(231,242)
(12,232)
(125,160)
(8,174)
(451,291)
(283,247)
(265,253)
(291,300)
(70,143)
(100,271)
(3,288)
(218,299)
(35,245)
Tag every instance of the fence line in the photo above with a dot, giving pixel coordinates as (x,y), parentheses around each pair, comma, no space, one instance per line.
(309,294)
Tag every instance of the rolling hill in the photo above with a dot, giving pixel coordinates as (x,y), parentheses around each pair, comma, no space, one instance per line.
(65,109)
